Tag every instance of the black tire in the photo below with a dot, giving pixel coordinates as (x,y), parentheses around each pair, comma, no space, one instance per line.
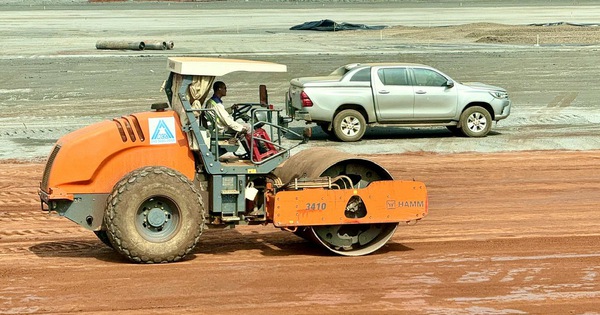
(103,236)
(325,128)
(349,125)
(455,131)
(304,232)
(154,215)
(475,121)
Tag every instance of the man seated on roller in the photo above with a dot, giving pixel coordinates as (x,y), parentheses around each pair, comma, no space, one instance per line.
(224,121)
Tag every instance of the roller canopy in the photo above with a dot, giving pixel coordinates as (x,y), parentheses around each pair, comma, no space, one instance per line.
(219,66)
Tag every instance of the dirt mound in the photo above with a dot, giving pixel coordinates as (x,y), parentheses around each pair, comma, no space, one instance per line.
(543,34)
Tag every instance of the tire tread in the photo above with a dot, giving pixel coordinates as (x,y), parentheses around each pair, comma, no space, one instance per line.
(115,234)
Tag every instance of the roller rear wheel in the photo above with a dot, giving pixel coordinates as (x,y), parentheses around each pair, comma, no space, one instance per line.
(103,236)
(154,215)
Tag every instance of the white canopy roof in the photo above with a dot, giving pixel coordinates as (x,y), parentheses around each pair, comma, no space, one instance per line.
(219,66)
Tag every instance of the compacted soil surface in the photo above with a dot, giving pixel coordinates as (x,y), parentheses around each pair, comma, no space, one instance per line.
(514,220)
(507,233)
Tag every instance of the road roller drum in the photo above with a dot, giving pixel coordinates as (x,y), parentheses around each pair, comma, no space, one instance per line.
(347,204)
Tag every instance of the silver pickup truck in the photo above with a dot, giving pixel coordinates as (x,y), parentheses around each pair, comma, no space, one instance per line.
(402,94)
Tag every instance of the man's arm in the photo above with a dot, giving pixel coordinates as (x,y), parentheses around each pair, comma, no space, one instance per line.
(227,119)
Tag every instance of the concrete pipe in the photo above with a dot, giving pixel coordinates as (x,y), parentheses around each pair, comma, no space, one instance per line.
(155,45)
(170,45)
(120,45)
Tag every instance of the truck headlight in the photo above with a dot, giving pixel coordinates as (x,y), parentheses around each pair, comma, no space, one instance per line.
(499,94)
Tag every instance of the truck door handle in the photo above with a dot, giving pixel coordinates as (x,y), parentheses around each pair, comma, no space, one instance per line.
(420,92)
(384,92)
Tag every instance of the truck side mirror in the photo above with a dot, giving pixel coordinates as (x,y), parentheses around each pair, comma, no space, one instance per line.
(450,83)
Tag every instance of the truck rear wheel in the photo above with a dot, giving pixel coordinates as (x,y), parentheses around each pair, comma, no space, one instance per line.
(349,125)
(325,128)
(455,130)
(475,121)
(154,215)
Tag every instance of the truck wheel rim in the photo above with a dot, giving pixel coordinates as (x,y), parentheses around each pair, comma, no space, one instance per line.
(350,126)
(157,219)
(476,122)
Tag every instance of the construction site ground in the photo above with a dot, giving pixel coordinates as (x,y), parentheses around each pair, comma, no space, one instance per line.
(513,227)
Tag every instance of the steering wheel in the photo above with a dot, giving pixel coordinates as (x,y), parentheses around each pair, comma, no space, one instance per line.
(240,111)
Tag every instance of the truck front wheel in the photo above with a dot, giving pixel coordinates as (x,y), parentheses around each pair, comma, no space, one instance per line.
(475,121)
(349,125)
(154,215)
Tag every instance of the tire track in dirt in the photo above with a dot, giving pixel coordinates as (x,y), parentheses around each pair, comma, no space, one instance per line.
(5,234)
(18,187)
(27,214)
(54,248)
(563,99)
(46,240)
(501,244)
(13,198)
(554,112)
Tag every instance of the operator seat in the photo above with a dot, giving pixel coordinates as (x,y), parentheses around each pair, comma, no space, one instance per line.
(219,143)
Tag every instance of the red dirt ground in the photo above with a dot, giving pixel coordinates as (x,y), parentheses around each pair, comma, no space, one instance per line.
(508,233)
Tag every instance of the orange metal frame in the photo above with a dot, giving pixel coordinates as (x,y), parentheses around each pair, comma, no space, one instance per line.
(385,201)
(95,158)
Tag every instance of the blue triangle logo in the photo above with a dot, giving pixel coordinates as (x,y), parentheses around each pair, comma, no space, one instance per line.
(162,133)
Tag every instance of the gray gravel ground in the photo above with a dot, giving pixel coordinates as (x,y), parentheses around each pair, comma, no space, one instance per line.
(55,81)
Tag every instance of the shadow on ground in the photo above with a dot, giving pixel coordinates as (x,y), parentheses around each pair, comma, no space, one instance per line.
(213,242)
(387,133)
